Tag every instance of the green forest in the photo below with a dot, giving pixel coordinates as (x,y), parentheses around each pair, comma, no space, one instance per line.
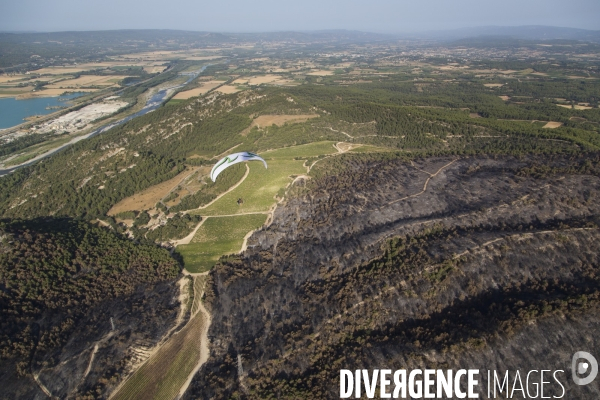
(437,121)
(56,270)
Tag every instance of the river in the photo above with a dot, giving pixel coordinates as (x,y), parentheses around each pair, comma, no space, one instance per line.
(155,101)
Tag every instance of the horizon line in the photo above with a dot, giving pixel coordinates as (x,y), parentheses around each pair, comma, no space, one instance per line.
(18,32)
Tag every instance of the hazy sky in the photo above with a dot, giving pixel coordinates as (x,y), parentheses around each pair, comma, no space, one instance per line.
(276,15)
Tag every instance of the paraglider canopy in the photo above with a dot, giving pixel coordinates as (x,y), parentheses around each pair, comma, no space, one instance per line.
(231,159)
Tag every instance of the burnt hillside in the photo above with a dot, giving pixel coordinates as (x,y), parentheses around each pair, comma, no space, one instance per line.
(488,263)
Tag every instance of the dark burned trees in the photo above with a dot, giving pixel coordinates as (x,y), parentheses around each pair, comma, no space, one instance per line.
(496,257)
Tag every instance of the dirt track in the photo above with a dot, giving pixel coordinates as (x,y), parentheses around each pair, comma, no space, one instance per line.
(204,349)
(157,372)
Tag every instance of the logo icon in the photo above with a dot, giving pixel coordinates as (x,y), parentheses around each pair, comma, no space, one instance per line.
(581,367)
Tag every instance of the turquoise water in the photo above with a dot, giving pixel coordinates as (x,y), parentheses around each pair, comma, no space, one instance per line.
(13,112)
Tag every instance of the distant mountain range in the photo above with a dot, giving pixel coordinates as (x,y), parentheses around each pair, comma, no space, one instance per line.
(146,35)
(533,32)
(166,38)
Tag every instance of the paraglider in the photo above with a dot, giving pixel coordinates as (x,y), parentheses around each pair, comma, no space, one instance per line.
(232,159)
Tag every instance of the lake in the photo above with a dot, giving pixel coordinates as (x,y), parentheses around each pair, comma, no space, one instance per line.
(13,112)
(151,104)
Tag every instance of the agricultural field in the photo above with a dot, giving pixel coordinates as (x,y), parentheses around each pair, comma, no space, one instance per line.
(268,120)
(87,81)
(83,77)
(147,199)
(264,121)
(260,188)
(155,69)
(17,92)
(320,73)
(204,88)
(57,92)
(199,282)
(365,148)
(104,65)
(552,125)
(166,55)
(228,89)
(13,78)
(218,236)
(264,79)
(227,222)
(151,55)
(575,106)
(166,371)
(202,58)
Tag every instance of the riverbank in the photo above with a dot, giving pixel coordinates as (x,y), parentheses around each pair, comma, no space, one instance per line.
(153,101)
(15,111)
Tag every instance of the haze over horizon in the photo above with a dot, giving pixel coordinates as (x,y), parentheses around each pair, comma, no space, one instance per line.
(380,16)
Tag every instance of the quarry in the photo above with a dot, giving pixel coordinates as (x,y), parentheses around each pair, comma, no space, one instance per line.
(80,119)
